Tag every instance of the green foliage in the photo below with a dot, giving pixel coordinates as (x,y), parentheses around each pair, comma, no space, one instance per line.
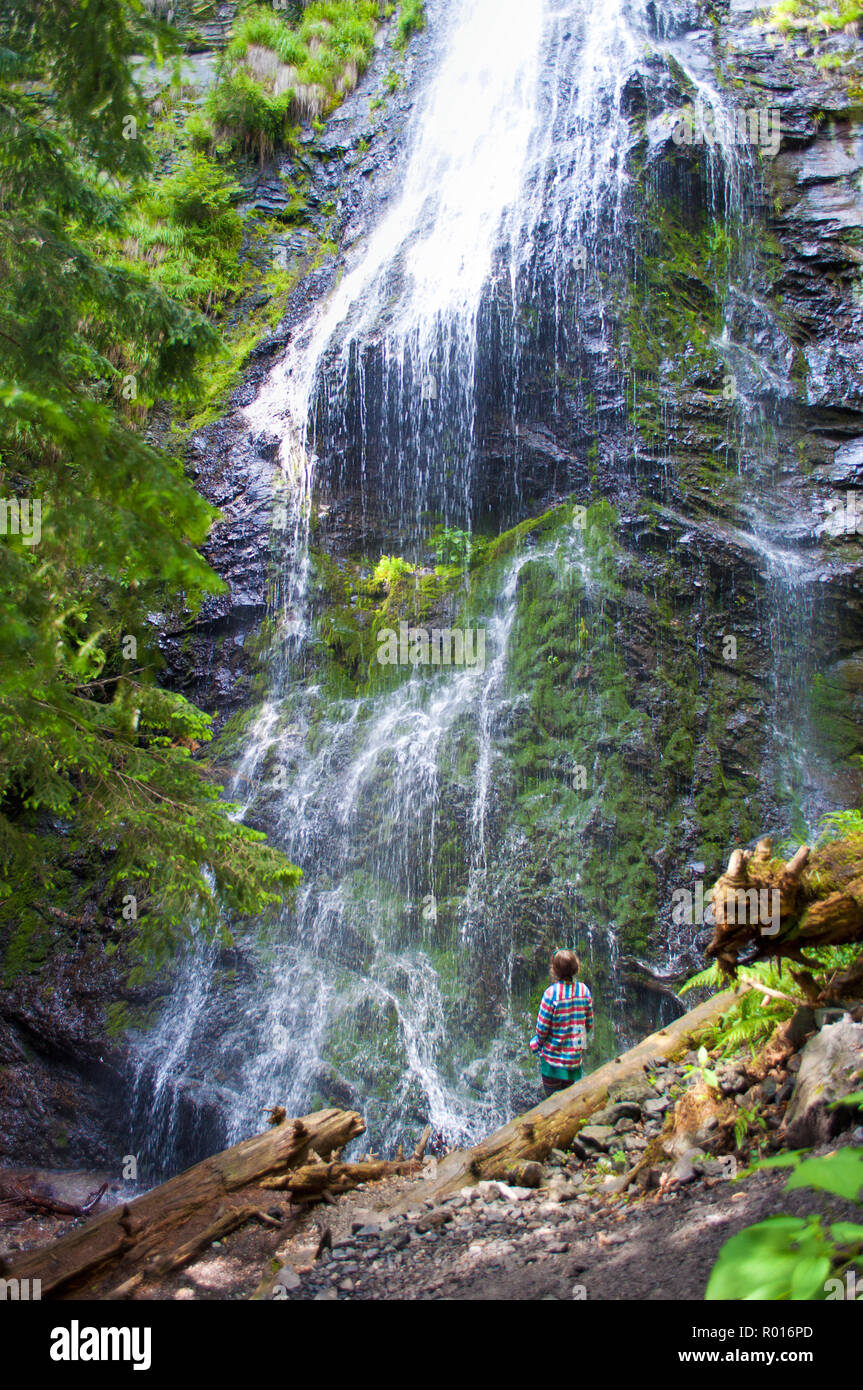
(199,197)
(88,741)
(753,1018)
(704,1069)
(246,115)
(746,1120)
(266,29)
(784,1257)
(185,233)
(840,1173)
(390,568)
(87,51)
(837,824)
(793,1257)
(275,74)
(789,15)
(412,19)
(453,546)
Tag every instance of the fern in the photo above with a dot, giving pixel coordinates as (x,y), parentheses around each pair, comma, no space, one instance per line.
(753,1018)
(745,1032)
(711,978)
(837,824)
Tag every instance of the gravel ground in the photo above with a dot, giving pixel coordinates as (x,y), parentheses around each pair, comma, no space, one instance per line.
(657,1247)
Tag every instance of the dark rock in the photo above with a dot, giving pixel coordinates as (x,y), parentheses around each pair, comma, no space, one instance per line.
(830,1069)
(826,1016)
(434,1220)
(723,1168)
(287,1279)
(625,1125)
(732,1082)
(785,1091)
(656,1107)
(649,1178)
(801,1025)
(61,1094)
(530,1174)
(596,1136)
(633,1091)
(364,1219)
(683,1171)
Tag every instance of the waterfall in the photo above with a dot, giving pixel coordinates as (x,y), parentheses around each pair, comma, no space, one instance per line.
(405,314)
(760,385)
(397,981)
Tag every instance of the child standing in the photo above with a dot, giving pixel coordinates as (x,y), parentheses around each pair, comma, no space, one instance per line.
(564,1026)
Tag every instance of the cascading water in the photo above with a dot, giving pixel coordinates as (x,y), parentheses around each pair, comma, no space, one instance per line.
(380,993)
(398,981)
(759,385)
(391,356)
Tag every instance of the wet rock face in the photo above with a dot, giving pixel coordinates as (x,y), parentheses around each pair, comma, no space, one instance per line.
(814,222)
(543,452)
(353,168)
(210,660)
(199,1116)
(60,1097)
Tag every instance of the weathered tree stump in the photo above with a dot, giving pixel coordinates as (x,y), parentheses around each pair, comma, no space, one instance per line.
(764,907)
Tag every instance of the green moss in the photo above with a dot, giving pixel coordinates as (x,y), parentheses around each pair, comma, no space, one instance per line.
(225,371)
(231,740)
(678,757)
(353,606)
(836,730)
(672,310)
(793,15)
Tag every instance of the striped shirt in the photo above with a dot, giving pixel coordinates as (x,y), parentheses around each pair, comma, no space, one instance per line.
(564,1025)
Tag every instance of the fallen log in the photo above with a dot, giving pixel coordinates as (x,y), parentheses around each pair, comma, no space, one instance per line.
(16,1200)
(124,1239)
(313,1178)
(553,1123)
(225,1222)
(765,907)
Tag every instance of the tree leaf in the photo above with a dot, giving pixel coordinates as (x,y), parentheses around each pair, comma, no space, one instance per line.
(809,1277)
(759,1262)
(840,1173)
(847,1233)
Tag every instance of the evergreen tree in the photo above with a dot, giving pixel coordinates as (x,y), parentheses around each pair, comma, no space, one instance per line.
(98,528)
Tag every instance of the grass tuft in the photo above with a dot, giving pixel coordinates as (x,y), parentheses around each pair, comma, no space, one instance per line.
(276,74)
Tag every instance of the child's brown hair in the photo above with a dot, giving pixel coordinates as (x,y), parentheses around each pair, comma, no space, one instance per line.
(565,965)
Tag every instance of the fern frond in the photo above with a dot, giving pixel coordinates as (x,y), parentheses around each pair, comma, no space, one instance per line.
(705,979)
